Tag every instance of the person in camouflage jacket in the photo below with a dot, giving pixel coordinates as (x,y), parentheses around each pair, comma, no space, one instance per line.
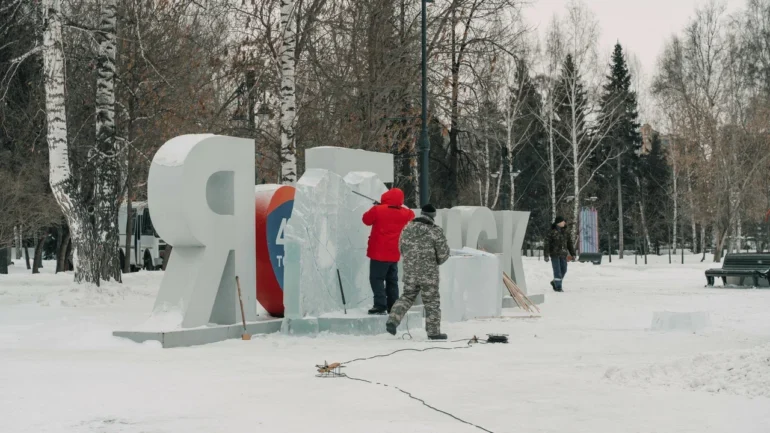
(557,248)
(423,249)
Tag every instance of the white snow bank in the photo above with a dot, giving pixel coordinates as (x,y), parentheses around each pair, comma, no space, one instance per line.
(680,321)
(745,373)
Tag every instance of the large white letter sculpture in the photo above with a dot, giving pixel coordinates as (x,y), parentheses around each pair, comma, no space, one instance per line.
(500,232)
(201,192)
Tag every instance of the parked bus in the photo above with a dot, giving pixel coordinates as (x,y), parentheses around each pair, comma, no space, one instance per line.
(146,246)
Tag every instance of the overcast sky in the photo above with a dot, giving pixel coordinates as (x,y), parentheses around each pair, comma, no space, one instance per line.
(641,26)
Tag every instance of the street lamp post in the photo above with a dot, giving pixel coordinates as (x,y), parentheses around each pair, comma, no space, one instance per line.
(424,142)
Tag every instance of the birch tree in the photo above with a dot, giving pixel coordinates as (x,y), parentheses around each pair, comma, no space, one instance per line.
(110,155)
(60,176)
(288,97)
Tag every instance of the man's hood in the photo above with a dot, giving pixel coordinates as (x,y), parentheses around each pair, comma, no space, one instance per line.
(393,197)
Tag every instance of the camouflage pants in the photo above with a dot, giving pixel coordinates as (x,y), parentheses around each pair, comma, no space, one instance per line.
(431,301)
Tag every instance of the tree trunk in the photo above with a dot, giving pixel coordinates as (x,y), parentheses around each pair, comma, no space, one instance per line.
(552,162)
(692,213)
(415,174)
(17,235)
(703,239)
(61,253)
(288,99)
(486,169)
(676,199)
(129,231)
(60,175)
(621,234)
(454,147)
(69,264)
(105,245)
(722,237)
(645,232)
(37,263)
(26,256)
(499,185)
(4,255)
(511,199)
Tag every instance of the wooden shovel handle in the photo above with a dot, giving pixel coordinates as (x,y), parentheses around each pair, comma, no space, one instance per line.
(243,315)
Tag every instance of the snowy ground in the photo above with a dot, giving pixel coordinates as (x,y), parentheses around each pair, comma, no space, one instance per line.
(589,364)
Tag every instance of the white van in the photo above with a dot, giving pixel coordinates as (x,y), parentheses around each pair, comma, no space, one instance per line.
(146,246)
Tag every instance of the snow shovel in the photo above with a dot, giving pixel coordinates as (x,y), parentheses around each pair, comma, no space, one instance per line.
(245,335)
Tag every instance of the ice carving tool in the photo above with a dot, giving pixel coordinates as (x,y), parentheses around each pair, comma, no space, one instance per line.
(366,197)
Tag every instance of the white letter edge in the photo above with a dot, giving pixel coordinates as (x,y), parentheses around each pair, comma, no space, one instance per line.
(201,195)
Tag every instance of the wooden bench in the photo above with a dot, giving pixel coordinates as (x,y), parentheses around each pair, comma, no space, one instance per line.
(752,265)
(595,258)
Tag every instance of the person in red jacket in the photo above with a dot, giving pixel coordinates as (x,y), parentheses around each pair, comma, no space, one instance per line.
(387,219)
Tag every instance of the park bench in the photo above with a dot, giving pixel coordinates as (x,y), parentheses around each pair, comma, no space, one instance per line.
(595,258)
(752,265)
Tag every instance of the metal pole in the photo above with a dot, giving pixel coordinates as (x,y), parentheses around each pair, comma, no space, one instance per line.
(424,142)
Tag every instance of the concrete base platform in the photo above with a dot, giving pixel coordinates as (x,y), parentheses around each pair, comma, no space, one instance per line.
(356,322)
(203,335)
(537,299)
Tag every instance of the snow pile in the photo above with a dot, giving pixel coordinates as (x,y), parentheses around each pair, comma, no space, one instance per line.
(82,295)
(680,321)
(745,373)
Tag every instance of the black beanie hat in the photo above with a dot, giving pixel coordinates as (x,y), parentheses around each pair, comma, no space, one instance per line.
(429,211)
(558,220)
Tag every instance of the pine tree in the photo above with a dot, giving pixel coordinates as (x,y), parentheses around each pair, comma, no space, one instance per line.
(655,174)
(529,137)
(623,143)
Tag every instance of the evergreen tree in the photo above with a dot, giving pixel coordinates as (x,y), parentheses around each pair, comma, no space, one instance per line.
(529,135)
(617,181)
(655,174)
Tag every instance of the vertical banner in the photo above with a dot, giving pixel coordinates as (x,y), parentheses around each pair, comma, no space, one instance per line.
(589,230)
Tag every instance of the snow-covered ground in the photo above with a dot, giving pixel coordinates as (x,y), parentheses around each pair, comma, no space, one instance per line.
(590,363)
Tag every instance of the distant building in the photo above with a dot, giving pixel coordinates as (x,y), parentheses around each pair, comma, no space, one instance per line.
(648,132)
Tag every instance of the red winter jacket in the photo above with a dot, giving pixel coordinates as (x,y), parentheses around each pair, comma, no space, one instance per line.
(387,220)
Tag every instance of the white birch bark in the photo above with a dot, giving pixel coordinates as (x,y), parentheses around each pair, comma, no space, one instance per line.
(288,97)
(675,197)
(645,231)
(552,163)
(497,188)
(17,239)
(575,159)
(486,169)
(621,229)
(692,213)
(56,119)
(415,174)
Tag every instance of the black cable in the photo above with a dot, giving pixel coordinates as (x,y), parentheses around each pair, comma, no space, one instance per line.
(407,329)
(405,350)
(421,400)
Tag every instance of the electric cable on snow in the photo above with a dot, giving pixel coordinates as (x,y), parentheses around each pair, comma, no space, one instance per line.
(334,369)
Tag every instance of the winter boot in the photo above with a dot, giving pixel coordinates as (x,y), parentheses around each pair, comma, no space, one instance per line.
(437,337)
(391,327)
(377,310)
(553,284)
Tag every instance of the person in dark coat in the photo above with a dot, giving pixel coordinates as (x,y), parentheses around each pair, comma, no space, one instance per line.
(558,248)
(387,219)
